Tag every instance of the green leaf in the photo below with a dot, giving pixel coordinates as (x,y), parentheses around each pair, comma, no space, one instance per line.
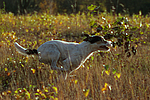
(30,86)
(141,33)
(106,67)
(55,88)
(107,72)
(76,81)
(51,97)
(22,65)
(93,24)
(25,89)
(86,92)
(16,91)
(118,75)
(92,57)
(45,90)
(114,71)
(43,95)
(91,7)
(134,28)
(37,94)
(103,72)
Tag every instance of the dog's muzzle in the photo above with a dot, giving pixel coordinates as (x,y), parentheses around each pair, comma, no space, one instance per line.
(107,45)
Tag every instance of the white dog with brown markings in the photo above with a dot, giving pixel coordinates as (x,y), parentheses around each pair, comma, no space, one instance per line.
(69,55)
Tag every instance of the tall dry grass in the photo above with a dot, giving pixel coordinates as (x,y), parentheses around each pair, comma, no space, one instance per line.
(24,77)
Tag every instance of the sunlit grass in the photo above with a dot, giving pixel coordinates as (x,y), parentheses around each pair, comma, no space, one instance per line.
(112,76)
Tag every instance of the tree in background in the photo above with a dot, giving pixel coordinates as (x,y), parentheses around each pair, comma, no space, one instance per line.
(20,6)
(128,6)
(48,6)
(75,6)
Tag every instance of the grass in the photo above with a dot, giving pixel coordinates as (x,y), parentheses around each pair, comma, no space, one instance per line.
(111,76)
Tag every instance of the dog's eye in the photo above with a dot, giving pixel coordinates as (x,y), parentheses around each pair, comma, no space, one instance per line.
(97,39)
(101,39)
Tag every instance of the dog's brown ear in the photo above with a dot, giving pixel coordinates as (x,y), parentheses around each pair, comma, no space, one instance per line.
(87,37)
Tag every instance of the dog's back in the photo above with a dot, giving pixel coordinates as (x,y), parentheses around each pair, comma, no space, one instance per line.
(65,48)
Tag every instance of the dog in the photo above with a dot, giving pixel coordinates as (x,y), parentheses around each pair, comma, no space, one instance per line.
(67,56)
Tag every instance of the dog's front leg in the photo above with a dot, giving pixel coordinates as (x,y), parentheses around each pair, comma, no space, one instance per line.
(53,56)
(54,67)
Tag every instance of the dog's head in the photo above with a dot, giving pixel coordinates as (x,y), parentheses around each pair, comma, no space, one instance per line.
(99,42)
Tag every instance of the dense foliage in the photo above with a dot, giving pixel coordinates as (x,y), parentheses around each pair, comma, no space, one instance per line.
(75,6)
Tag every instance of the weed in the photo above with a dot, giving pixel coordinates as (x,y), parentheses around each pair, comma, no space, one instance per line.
(122,73)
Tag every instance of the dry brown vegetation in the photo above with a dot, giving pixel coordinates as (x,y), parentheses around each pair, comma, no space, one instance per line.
(107,76)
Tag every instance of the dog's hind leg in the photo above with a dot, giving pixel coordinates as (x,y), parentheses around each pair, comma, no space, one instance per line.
(71,65)
(67,64)
(54,56)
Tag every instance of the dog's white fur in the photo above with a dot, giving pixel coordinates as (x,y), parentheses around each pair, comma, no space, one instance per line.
(69,55)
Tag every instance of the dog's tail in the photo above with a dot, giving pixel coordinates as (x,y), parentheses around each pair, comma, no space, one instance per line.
(24,51)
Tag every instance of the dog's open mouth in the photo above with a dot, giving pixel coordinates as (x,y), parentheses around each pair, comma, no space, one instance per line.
(104,47)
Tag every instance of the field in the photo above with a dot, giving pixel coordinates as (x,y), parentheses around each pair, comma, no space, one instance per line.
(113,75)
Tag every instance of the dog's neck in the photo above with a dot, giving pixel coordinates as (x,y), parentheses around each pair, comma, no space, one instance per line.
(87,46)
(86,49)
